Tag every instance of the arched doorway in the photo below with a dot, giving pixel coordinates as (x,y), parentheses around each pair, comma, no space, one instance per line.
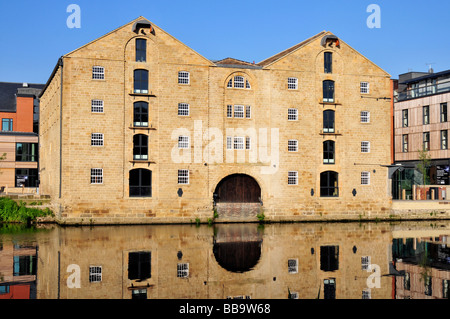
(238,188)
(238,197)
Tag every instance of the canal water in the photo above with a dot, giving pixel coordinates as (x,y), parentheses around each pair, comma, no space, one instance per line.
(407,260)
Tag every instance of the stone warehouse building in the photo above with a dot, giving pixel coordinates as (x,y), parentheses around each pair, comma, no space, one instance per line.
(136,127)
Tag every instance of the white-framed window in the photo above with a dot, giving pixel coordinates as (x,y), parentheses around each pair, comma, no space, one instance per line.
(183,176)
(365,147)
(292,114)
(366,293)
(96,139)
(238,143)
(365,178)
(292,146)
(239,111)
(95,273)
(96,175)
(183,270)
(97,106)
(248,143)
(292,266)
(229,143)
(365,262)
(229,111)
(98,73)
(239,82)
(183,109)
(292,83)
(183,77)
(365,117)
(183,142)
(364,88)
(293,178)
(248,111)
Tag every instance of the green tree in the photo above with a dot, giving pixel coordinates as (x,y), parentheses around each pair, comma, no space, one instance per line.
(424,165)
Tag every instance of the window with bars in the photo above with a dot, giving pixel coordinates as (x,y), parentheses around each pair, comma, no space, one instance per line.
(183,109)
(292,83)
(329,152)
(248,112)
(141,81)
(328,121)
(364,88)
(365,178)
(229,143)
(183,176)
(98,73)
(248,143)
(328,91)
(292,114)
(183,270)
(366,294)
(140,116)
(141,50)
(292,178)
(140,147)
(365,262)
(96,175)
(183,142)
(96,139)
(229,111)
(95,273)
(183,77)
(365,147)
(365,117)
(239,82)
(97,106)
(292,146)
(239,111)
(292,266)
(238,143)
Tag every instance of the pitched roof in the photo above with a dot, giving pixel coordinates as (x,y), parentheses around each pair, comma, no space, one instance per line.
(8,94)
(235,63)
(282,54)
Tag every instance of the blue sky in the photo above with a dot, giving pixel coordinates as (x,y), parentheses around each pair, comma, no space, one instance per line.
(34,34)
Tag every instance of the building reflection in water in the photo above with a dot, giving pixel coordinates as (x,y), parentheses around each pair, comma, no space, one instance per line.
(275,261)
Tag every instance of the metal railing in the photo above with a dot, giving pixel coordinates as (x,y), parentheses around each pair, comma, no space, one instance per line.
(431,89)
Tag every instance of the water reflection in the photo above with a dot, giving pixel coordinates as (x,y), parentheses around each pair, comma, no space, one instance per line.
(279,261)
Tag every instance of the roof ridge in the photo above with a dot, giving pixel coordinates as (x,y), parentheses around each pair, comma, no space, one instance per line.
(282,54)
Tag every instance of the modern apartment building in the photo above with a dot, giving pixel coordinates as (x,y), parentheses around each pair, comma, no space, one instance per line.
(137,127)
(19,113)
(422,124)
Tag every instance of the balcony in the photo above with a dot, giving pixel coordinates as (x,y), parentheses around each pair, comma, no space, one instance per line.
(424,90)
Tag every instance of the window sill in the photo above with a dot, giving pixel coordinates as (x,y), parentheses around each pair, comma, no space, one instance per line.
(142,94)
(142,128)
(134,162)
(330,134)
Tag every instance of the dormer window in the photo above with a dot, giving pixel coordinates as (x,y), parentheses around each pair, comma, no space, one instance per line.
(239,82)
